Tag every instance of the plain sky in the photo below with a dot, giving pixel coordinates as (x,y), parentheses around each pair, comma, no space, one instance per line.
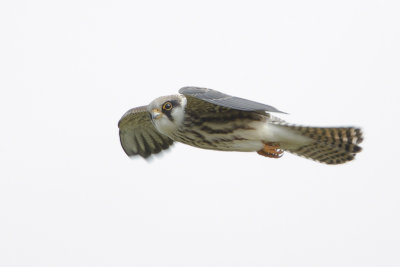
(69,196)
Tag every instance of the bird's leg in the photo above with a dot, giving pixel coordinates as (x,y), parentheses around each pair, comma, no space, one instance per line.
(271,150)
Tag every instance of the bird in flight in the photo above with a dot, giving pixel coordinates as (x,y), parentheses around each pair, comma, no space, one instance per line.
(209,119)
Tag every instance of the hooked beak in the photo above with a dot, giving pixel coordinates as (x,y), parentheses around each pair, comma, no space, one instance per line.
(155,113)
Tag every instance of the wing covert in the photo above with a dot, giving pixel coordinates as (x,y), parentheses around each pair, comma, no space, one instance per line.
(138,135)
(221,99)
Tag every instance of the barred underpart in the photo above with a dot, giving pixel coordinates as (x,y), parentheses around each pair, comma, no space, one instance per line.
(329,145)
(214,127)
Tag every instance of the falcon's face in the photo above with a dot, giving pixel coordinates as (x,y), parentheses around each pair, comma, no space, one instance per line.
(167,113)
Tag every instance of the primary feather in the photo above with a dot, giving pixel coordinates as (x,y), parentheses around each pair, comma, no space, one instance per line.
(138,135)
(224,100)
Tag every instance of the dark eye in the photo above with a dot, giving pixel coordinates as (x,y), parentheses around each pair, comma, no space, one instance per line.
(167,106)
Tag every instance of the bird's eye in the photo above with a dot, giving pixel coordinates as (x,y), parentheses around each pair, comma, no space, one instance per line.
(167,106)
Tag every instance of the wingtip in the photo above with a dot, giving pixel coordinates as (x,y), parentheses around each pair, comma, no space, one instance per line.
(192,89)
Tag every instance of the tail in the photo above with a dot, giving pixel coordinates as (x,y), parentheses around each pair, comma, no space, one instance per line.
(326,145)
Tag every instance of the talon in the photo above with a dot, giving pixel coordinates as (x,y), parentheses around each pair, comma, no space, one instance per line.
(271,150)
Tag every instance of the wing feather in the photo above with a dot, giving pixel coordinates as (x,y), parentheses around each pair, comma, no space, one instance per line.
(221,99)
(138,135)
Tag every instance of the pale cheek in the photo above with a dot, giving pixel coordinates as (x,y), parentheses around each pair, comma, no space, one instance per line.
(178,115)
(164,126)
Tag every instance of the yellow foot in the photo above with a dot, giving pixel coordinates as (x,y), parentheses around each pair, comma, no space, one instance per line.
(271,150)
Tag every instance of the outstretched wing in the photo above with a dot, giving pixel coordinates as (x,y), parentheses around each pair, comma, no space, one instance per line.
(224,100)
(138,135)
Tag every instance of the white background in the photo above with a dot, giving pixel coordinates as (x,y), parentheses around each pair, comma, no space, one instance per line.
(69,196)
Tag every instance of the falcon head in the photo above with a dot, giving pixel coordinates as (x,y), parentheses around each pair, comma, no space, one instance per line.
(167,113)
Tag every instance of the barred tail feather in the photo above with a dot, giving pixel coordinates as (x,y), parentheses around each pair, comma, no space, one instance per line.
(328,145)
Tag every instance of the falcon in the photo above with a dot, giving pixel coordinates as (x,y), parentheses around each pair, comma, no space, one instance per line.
(209,119)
